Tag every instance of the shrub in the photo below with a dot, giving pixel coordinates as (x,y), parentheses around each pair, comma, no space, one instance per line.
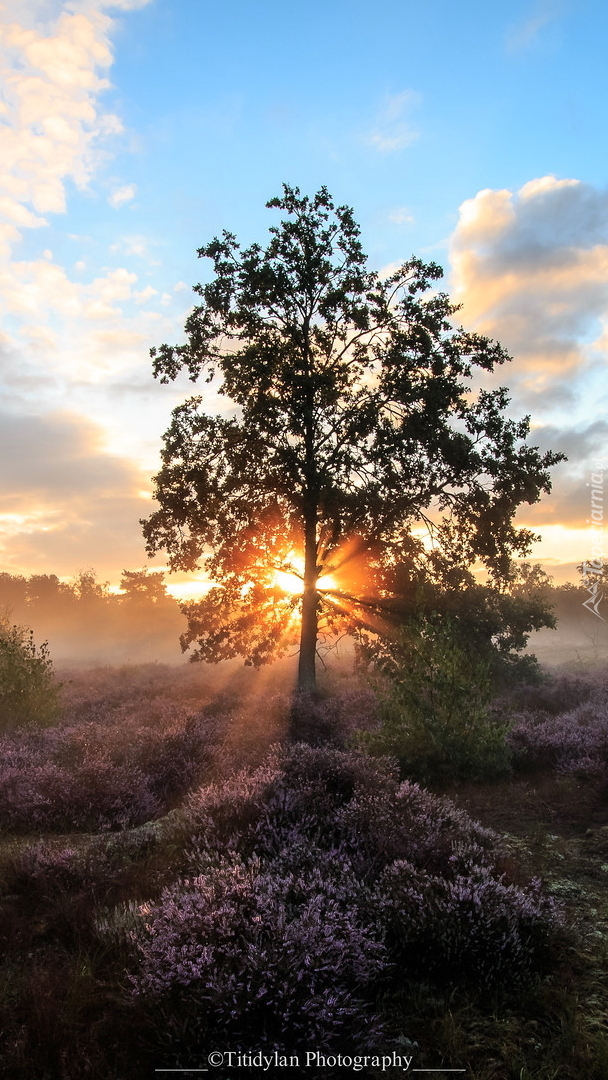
(37,793)
(553,695)
(435,714)
(314,883)
(574,742)
(231,954)
(473,929)
(563,725)
(108,773)
(28,691)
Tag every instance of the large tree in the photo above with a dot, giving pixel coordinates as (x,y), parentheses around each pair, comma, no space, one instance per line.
(351,418)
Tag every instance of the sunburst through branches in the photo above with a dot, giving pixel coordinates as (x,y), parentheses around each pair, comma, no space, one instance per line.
(290,577)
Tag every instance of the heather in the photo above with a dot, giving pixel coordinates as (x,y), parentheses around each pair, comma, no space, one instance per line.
(314,885)
(177,876)
(101,767)
(562,725)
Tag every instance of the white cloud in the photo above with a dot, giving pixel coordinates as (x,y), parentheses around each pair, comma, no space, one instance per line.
(526,33)
(116,285)
(145,294)
(54,59)
(122,195)
(135,245)
(392,130)
(530,269)
(400,216)
(51,82)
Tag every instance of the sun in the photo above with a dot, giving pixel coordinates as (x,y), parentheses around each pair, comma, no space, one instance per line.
(327,583)
(291,579)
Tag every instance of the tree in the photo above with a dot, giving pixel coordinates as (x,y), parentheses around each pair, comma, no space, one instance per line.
(350,421)
(143,587)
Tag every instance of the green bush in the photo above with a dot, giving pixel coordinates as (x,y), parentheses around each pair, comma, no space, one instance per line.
(435,710)
(28,690)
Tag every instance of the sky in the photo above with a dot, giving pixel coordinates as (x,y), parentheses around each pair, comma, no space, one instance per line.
(132,132)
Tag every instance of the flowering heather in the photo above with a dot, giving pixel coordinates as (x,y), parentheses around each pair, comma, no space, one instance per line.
(573,737)
(109,771)
(232,952)
(315,883)
(473,927)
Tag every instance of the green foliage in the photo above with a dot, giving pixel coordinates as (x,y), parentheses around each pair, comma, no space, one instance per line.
(429,590)
(435,708)
(28,691)
(450,645)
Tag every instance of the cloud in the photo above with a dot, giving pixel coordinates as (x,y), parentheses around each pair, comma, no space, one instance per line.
(526,33)
(53,64)
(64,501)
(400,216)
(41,287)
(568,505)
(145,294)
(122,195)
(531,268)
(51,82)
(392,130)
(137,246)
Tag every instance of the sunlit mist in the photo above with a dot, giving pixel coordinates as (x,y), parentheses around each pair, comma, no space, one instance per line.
(290,578)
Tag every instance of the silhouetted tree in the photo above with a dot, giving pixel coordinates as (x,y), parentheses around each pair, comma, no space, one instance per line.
(13,593)
(349,418)
(143,586)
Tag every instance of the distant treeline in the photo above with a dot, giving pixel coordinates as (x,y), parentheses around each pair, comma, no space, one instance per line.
(86,623)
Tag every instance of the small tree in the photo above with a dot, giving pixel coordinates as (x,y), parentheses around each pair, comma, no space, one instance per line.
(350,420)
(28,691)
(450,644)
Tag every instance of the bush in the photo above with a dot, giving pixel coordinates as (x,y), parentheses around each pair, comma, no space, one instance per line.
(37,792)
(563,727)
(101,774)
(28,691)
(553,694)
(232,954)
(472,929)
(315,884)
(435,714)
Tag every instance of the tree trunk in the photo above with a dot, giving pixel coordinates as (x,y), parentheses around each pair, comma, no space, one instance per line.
(307,677)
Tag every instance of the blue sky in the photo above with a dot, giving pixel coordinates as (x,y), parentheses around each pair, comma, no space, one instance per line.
(471,134)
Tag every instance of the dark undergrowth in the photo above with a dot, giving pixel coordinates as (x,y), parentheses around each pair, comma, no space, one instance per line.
(176,879)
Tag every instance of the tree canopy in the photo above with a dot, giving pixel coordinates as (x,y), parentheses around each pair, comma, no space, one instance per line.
(351,422)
